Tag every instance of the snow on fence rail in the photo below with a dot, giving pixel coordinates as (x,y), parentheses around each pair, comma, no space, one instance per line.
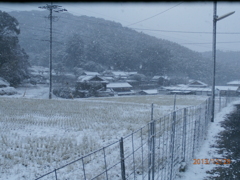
(158,150)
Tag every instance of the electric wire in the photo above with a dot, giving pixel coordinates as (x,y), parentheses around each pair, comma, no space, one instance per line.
(187,32)
(154,15)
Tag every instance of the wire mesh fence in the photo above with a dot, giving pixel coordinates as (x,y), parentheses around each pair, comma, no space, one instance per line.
(158,150)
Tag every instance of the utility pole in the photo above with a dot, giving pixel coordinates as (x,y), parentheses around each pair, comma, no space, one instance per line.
(214,57)
(51,8)
(215,19)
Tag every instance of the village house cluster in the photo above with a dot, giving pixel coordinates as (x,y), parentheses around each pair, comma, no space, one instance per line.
(119,83)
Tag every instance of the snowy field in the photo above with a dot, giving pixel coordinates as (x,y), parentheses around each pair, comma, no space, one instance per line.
(39,135)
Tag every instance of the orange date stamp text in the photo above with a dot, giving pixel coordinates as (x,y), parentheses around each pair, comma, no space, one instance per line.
(212,161)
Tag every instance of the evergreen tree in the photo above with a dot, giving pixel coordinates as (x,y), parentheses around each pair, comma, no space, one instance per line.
(13,59)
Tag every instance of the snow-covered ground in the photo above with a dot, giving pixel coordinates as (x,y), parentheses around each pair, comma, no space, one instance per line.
(198,171)
(38,135)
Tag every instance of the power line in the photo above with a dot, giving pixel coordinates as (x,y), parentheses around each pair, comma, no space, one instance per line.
(154,15)
(217,42)
(186,32)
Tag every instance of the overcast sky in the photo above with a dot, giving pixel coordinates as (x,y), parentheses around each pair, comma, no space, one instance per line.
(187,23)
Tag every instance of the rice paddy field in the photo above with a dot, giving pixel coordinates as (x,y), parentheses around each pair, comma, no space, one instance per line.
(38,135)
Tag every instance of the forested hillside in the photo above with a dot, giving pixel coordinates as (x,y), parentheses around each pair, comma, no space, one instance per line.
(96,44)
(227,66)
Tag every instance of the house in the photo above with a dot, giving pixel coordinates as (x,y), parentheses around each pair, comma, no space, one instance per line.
(131,73)
(148,92)
(120,75)
(185,89)
(114,73)
(234,83)
(227,90)
(93,79)
(161,80)
(84,82)
(197,84)
(121,88)
(88,73)
(39,75)
(117,75)
(108,78)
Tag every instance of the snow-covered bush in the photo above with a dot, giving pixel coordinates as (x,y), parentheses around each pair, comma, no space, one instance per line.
(8,91)
(5,88)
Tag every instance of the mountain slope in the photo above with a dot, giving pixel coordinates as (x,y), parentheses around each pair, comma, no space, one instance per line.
(97,44)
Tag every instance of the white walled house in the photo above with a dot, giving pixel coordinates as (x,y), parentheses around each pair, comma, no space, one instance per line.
(121,88)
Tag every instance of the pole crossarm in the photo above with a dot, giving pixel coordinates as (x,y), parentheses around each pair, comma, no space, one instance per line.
(224,16)
(54,7)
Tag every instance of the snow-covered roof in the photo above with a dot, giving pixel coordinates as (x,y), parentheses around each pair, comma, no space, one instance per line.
(185,88)
(88,73)
(89,78)
(84,78)
(197,83)
(226,88)
(150,91)
(236,82)
(118,85)
(3,82)
(131,73)
(119,73)
(157,77)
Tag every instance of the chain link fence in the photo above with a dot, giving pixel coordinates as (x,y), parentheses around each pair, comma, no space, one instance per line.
(158,150)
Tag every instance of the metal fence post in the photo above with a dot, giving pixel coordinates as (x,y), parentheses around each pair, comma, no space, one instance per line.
(206,118)
(149,151)
(84,173)
(150,147)
(174,104)
(184,132)
(209,109)
(199,128)
(105,162)
(55,173)
(220,105)
(196,132)
(122,159)
(153,147)
(228,97)
(152,112)
(172,144)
